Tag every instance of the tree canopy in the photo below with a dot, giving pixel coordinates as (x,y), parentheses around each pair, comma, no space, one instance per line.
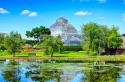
(2,36)
(98,37)
(52,44)
(38,32)
(13,42)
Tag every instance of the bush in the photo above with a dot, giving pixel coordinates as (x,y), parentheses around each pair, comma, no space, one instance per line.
(93,53)
(72,48)
(2,47)
(90,53)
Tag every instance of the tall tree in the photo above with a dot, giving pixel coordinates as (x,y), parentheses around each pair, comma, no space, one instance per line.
(114,40)
(59,44)
(52,44)
(89,32)
(2,36)
(48,45)
(13,42)
(38,32)
(99,37)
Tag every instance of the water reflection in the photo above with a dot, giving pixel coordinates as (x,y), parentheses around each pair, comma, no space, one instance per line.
(40,71)
(103,74)
(10,72)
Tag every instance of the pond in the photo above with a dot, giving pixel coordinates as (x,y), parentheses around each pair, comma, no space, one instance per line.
(54,71)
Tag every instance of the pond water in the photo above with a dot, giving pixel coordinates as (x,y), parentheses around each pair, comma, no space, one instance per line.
(53,71)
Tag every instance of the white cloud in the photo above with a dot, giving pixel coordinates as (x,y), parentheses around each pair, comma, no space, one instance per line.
(82,13)
(29,13)
(102,1)
(3,11)
(25,12)
(33,14)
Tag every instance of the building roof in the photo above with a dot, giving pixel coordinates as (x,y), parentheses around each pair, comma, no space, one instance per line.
(65,30)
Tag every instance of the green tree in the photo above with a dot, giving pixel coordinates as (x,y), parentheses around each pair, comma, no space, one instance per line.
(38,32)
(52,44)
(99,37)
(2,36)
(59,44)
(89,34)
(48,45)
(13,42)
(114,40)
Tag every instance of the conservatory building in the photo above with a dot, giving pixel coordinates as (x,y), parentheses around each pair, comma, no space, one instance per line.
(68,33)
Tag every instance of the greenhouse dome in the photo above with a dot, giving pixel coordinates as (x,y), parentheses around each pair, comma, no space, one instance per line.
(68,33)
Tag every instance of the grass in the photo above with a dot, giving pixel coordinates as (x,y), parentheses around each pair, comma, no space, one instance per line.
(25,54)
(73,56)
(4,53)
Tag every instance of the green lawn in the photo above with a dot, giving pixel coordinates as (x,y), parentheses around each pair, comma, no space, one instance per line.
(82,56)
(40,54)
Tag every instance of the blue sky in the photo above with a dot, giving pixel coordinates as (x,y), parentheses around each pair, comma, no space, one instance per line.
(23,15)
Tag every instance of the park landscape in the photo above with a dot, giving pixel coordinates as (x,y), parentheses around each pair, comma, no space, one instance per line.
(59,52)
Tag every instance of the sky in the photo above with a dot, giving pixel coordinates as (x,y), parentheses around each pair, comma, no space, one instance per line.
(23,15)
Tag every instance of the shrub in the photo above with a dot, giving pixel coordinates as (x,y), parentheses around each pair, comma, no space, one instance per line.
(72,48)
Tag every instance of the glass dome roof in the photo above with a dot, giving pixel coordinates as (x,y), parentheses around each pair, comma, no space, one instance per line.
(68,33)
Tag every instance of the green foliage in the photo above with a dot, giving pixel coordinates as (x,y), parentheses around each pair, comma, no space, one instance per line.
(13,42)
(48,44)
(2,46)
(99,37)
(59,44)
(52,44)
(32,43)
(72,48)
(2,36)
(114,38)
(38,32)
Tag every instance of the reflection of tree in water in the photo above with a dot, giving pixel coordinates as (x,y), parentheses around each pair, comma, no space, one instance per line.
(11,72)
(42,74)
(103,74)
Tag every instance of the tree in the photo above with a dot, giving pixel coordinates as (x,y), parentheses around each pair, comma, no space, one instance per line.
(2,36)
(13,42)
(114,40)
(89,34)
(59,44)
(38,32)
(52,44)
(48,45)
(99,37)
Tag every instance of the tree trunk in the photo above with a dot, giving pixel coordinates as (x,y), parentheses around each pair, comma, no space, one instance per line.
(52,55)
(98,52)
(13,54)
